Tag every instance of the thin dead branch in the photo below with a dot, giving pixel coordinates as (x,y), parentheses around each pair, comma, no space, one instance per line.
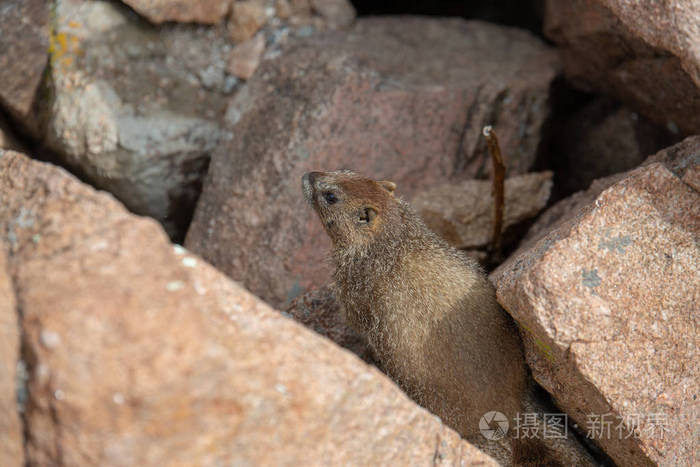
(498,191)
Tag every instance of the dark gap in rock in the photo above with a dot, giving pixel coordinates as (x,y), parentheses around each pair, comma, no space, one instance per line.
(564,101)
(588,137)
(184,204)
(545,399)
(525,14)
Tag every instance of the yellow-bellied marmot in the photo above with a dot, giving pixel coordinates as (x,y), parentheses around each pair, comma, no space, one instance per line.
(427,310)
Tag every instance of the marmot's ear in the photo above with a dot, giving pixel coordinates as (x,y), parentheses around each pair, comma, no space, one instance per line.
(387,185)
(368,214)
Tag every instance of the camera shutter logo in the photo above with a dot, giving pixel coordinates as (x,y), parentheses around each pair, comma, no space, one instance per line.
(493,425)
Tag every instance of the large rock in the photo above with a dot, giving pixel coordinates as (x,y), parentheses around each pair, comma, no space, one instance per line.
(671,25)
(23,52)
(185,11)
(141,354)
(11,436)
(643,53)
(608,301)
(683,159)
(135,108)
(397,98)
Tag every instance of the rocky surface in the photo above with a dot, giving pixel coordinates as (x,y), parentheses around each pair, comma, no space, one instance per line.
(183,11)
(247,17)
(394,97)
(141,354)
(683,159)
(607,300)
(246,56)
(119,348)
(462,213)
(670,25)
(643,53)
(319,310)
(281,17)
(602,139)
(337,13)
(135,108)
(25,39)
(11,436)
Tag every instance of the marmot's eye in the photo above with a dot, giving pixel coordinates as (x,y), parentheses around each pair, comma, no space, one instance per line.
(330,197)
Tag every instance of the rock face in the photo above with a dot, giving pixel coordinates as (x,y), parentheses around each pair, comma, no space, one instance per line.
(644,53)
(141,354)
(462,213)
(245,57)
(338,13)
(11,438)
(23,52)
(608,301)
(184,11)
(247,17)
(683,159)
(410,110)
(670,25)
(135,108)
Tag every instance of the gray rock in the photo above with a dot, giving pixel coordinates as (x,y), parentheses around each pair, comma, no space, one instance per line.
(23,52)
(135,108)
(183,11)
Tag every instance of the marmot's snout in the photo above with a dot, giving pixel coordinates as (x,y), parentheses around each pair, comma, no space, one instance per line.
(307,186)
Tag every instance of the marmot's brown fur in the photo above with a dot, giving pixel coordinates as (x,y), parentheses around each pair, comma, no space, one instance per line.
(427,310)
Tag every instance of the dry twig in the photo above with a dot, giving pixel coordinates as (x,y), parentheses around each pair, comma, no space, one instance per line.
(499,176)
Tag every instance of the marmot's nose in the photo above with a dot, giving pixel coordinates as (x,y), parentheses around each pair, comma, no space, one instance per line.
(309,178)
(307,184)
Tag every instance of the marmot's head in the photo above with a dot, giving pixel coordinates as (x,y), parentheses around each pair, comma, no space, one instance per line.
(352,208)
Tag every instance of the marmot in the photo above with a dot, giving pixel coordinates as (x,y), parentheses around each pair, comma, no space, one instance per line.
(427,310)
